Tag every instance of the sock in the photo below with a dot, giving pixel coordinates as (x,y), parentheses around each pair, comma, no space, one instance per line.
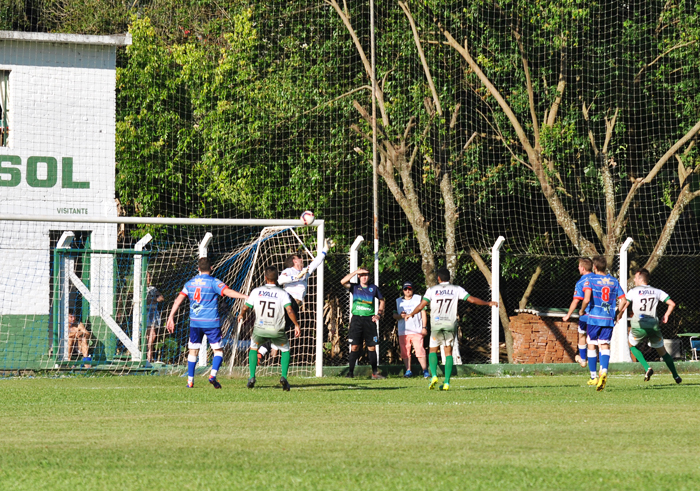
(593,363)
(671,366)
(284,359)
(640,357)
(352,359)
(604,360)
(432,361)
(215,364)
(448,367)
(191,363)
(582,352)
(373,360)
(252,361)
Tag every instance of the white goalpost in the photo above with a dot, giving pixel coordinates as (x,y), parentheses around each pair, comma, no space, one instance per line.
(110,288)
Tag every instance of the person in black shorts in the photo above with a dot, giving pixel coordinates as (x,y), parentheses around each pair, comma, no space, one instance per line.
(363,326)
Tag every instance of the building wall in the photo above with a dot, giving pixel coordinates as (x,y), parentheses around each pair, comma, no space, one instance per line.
(59,161)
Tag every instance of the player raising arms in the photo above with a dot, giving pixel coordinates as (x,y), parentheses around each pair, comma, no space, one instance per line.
(585,269)
(295,281)
(269,303)
(443,300)
(203,291)
(602,292)
(645,323)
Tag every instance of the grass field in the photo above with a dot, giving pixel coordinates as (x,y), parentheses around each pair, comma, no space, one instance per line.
(149,432)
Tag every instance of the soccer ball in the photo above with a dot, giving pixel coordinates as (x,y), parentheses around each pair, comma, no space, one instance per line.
(308,217)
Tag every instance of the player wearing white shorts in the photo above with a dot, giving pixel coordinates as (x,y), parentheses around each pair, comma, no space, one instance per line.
(443,299)
(270,303)
(645,323)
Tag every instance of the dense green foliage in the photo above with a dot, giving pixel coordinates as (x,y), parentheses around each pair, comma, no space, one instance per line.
(556,433)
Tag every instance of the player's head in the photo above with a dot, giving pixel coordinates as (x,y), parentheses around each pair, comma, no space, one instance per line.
(271,274)
(585,265)
(642,277)
(204,265)
(71,317)
(443,275)
(364,277)
(600,264)
(294,261)
(407,289)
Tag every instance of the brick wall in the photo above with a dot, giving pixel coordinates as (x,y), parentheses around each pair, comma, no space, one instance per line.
(543,339)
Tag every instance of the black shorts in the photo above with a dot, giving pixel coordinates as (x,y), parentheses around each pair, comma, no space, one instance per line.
(362,328)
(288,324)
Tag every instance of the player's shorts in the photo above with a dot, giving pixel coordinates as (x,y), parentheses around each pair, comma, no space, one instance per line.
(288,324)
(279,342)
(646,327)
(599,334)
(442,338)
(405,343)
(362,329)
(213,337)
(154,321)
(582,327)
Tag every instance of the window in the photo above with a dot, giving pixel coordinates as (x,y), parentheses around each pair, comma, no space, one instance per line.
(4,126)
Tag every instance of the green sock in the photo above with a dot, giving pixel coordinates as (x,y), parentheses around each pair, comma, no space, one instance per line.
(671,366)
(432,360)
(448,368)
(252,361)
(285,356)
(640,357)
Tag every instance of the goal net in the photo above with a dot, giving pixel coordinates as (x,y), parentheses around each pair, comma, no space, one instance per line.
(73,305)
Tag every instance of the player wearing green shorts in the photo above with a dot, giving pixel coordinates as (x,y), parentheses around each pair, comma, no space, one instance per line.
(269,303)
(644,323)
(443,299)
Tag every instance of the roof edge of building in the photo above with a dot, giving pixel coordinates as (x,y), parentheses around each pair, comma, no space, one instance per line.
(43,37)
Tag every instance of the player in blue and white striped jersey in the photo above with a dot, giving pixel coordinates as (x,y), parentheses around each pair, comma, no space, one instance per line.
(203,291)
(601,292)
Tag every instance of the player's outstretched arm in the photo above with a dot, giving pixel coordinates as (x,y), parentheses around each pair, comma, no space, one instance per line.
(243,313)
(234,294)
(171,318)
(418,308)
(346,279)
(293,318)
(671,305)
(572,307)
(478,301)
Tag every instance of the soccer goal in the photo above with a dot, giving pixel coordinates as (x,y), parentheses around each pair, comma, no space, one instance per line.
(84,297)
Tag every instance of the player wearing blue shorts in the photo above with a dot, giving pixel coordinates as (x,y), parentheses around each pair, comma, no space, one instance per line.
(203,291)
(601,292)
(585,269)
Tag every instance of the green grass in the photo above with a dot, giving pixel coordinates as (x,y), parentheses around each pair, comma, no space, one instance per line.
(149,432)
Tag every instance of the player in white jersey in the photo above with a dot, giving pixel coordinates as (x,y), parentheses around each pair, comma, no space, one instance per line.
(443,299)
(295,281)
(269,303)
(645,323)
(411,330)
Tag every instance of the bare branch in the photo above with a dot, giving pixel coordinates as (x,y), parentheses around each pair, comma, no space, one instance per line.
(638,77)
(426,69)
(363,56)
(561,85)
(685,197)
(528,87)
(364,87)
(671,151)
(530,286)
(609,127)
(455,113)
(596,226)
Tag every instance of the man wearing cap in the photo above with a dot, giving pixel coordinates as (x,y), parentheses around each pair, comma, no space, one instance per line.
(411,330)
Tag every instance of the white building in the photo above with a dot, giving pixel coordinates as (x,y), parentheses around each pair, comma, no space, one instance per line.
(57,158)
